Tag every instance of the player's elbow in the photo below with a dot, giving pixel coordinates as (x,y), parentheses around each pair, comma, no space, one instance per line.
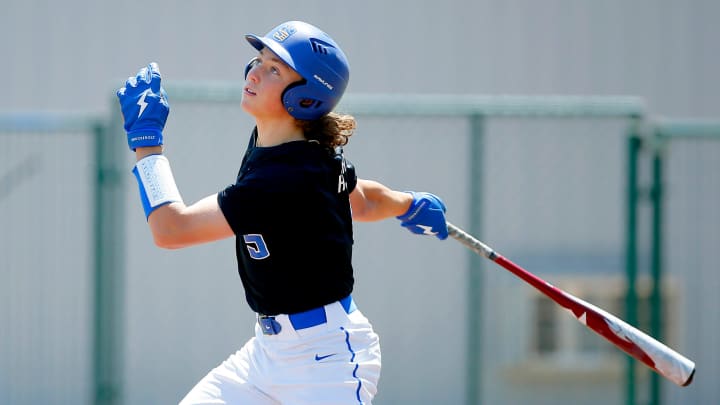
(361,210)
(167,226)
(166,242)
(167,235)
(363,215)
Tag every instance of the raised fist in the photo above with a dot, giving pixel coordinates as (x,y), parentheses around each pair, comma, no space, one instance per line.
(144,107)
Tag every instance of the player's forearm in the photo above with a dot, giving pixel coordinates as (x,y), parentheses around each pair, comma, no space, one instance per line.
(418,212)
(175,225)
(373,201)
(165,221)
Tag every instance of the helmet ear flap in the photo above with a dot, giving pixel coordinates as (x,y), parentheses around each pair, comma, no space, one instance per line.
(297,102)
(250,65)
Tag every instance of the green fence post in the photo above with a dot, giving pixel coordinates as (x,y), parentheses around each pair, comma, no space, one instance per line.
(475,275)
(656,270)
(109,263)
(634,145)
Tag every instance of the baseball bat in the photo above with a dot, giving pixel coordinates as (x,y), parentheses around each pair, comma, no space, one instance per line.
(665,361)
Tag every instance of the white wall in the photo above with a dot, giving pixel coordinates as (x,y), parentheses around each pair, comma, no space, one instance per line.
(68,55)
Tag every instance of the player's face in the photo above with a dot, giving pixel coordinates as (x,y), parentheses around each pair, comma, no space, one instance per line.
(266,80)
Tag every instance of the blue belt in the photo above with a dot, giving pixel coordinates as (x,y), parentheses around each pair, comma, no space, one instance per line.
(303,320)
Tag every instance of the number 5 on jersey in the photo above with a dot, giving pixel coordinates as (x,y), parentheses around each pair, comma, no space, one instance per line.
(256,246)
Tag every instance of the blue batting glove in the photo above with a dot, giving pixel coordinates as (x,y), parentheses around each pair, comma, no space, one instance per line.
(144,107)
(426,215)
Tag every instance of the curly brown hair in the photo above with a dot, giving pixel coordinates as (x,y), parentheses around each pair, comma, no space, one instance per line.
(330,130)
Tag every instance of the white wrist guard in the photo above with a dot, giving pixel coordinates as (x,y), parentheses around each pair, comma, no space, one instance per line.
(156,183)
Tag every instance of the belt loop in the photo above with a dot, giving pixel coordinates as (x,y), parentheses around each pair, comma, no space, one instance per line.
(269,325)
(348,304)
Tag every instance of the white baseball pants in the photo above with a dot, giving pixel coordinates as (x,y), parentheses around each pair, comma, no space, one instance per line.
(337,362)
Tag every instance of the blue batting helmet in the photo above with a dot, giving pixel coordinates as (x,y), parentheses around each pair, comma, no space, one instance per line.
(314,56)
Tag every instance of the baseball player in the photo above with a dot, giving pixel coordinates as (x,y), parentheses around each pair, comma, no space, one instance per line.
(291,210)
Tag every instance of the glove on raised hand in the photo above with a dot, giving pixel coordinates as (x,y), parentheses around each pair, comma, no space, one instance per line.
(426,215)
(144,107)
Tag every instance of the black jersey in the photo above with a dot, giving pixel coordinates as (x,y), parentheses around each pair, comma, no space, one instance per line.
(290,211)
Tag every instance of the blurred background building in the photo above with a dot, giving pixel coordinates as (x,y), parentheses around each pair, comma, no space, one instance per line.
(522,115)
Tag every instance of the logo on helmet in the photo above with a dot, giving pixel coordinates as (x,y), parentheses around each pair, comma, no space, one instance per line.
(283,33)
(323,82)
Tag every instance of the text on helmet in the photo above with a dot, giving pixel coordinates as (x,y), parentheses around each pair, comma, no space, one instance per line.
(283,33)
(323,82)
